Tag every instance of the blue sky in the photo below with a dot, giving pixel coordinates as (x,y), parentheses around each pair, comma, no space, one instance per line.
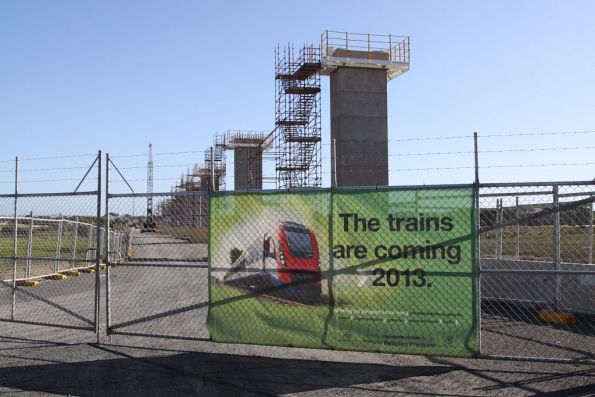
(78,76)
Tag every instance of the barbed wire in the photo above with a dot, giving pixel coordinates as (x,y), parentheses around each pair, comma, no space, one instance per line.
(399,170)
(50,157)
(157,154)
(494,151)
(479,136)
(158,166)
(323,158)
(46,169)
(50,180)
(485,151)
(490,135)
(157,179)
(486,166)
(432,153)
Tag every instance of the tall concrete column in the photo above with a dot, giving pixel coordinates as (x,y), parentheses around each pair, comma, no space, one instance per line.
(359,126)
(247,168)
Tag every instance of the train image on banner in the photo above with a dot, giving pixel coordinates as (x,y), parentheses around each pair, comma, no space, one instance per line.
(283,264)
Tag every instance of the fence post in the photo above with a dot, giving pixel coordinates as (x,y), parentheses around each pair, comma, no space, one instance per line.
(557,245)
(29,247)
(591,232)
(501,230)
(98,246)
(477,243)
(107,248)
(334,163)
(59,244)
(498,231)
(518,230)
(14,238)
(331,269)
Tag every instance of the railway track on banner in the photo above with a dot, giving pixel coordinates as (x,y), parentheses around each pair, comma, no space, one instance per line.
(263,287)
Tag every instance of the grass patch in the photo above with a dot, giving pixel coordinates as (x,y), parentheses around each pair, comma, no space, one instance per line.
(537,243)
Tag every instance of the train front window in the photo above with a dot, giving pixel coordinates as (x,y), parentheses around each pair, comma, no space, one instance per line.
(299,242)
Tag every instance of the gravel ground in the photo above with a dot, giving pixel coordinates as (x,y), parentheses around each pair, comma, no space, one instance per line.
(37,360)
(45,361)
(159,246)
(516,331)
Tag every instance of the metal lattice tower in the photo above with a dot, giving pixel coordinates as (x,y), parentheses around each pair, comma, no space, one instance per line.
(297,137)
(150,185)
(150,222)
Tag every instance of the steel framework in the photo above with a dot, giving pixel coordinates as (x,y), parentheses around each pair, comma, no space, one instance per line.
(211,174)
(371,51)
(297,136)
(214,170)
(150,222)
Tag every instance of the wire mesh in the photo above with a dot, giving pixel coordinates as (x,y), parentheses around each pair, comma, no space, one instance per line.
(158,279)
(49,278)
(538,280)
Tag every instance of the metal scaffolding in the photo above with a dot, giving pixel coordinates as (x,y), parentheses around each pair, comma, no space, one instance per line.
(297,134)
(214,171)
(207,176)
(192,210)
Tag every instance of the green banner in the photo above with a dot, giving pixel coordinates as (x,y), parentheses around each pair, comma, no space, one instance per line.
(371,270)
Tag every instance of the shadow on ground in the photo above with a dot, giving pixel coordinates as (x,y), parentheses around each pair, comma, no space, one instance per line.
(200,373)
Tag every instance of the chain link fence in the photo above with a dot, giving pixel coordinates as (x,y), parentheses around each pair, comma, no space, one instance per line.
(157,283)
(537,274)
(388,269)
(49,243)
(48,259)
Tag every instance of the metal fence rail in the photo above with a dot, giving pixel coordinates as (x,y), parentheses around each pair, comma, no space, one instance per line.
(55,246)
(537,273)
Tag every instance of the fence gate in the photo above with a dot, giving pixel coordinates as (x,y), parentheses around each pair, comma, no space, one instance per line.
(537,276)
(48,256)
(157,275)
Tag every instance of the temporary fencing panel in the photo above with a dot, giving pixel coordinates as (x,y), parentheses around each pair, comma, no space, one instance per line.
(49,251)
(48,260)
(537,275)
(389,270)
(395,269)
(157,275)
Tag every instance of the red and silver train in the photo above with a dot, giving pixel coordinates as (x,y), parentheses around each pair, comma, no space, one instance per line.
(286,260)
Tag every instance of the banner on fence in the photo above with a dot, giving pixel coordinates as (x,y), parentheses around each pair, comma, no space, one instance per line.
(372,270)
